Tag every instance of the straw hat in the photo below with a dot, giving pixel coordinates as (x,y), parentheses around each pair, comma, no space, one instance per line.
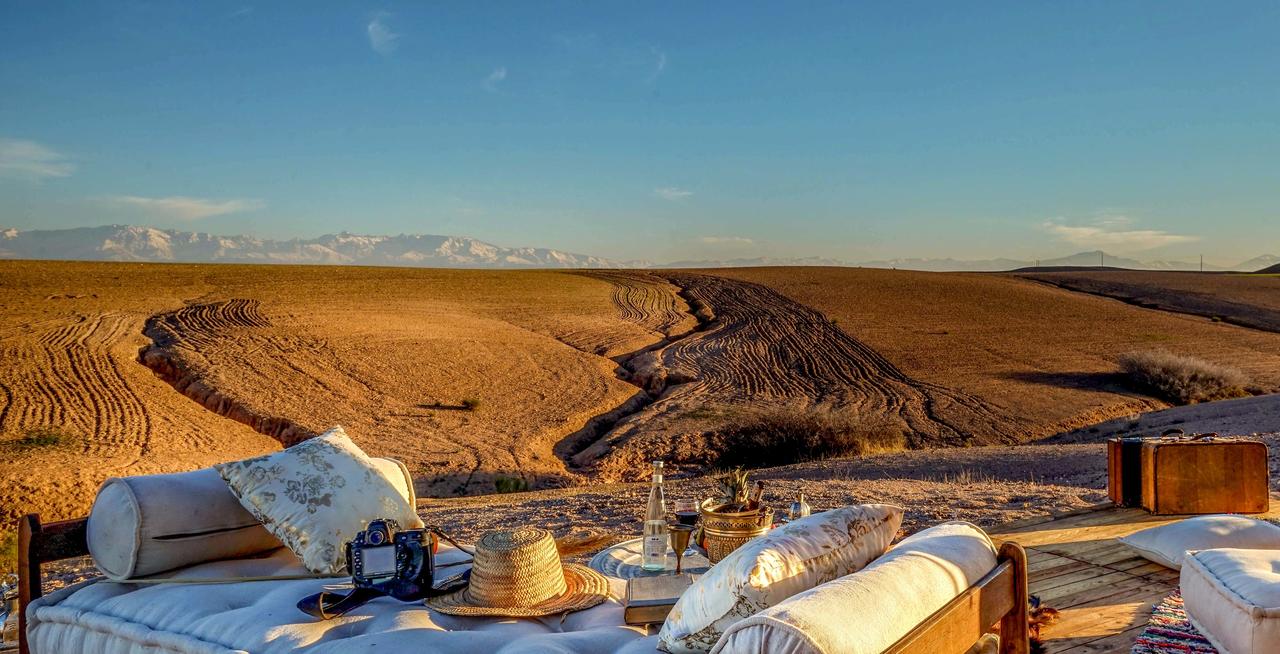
(518,573)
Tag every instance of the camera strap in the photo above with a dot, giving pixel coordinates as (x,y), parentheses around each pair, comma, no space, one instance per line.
(328,604)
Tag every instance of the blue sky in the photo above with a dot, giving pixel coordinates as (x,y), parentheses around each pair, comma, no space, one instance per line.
(656,130)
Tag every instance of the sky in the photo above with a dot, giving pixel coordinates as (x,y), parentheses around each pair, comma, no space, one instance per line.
(659,131)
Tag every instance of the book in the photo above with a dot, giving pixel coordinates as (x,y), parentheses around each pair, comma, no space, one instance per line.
(649,599)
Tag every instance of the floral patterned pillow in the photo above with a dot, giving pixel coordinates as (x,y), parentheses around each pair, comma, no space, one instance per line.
(316,495)
(769,569)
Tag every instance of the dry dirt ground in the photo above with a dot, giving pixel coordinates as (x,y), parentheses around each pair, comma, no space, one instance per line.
(1243,299)
(389,353)
(757,348)
(147,368)
(1044,354)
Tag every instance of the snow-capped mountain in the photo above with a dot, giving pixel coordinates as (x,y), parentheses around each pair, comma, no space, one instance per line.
(131,243)
(134,243)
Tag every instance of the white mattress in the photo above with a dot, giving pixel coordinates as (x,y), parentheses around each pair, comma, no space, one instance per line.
(102,617)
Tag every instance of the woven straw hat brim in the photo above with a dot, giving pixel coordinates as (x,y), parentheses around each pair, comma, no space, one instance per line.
(586,588)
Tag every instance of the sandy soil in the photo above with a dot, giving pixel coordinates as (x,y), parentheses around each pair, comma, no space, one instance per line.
(237,357)
(1044,354)
(388,353)
(757,348)
(1247,300)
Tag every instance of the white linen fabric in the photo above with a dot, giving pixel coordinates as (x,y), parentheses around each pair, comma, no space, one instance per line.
(316,495)
(103,617)
(143,525)
(769,569)
(1232,596)
(868,611)
(1167,544)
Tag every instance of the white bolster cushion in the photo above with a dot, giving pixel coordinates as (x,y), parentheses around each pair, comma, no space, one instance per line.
(868,611)
(148,524)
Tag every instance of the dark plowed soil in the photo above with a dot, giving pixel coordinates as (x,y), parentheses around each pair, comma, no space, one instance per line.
(1245,300)
(759,349)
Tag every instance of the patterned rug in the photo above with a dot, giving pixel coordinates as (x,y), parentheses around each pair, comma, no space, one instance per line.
(1169,631)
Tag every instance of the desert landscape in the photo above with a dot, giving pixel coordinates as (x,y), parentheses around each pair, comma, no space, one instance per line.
(565,384)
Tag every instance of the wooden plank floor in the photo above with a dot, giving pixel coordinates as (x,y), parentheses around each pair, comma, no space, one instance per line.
(1104,591)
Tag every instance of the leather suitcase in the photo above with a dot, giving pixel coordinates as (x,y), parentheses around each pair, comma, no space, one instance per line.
(1124,471)
(1204,475)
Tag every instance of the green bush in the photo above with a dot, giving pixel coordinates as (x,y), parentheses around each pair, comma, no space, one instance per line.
(1182,379)
(510,484)
(784,436)
(471,403)
(43,437)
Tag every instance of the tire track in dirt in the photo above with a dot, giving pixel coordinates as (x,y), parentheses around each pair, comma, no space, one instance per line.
(649,301)
(71,380)
(754,349)
(178,339)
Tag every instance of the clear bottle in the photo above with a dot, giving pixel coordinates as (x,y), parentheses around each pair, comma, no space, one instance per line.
(655,524)
(799,508)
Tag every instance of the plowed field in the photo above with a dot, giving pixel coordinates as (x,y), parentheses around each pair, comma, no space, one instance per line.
(284,352)
(756,349)
(1248,300)
(1043,355)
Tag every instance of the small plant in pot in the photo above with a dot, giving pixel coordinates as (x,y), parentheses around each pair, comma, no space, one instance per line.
(733,518)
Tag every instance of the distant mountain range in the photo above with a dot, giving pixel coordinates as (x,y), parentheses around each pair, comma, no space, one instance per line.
(129,243)
(133,243)
(1081,259)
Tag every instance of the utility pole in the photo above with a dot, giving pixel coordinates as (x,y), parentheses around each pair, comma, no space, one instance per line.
(1202,263)
(1102,258)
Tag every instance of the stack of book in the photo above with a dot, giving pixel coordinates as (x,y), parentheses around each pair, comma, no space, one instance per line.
(649,599)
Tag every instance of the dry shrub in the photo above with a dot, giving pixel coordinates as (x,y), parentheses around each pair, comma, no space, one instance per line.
(8,553)
(784,436)
(1182,379)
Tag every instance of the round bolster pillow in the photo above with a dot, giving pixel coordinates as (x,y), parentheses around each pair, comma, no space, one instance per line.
(140,526)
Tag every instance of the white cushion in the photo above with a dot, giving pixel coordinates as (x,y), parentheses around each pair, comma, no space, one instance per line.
(1233,597)
(316,495)
(261,617)
(147,524)
(775,566)
(1167,544)
(868,611)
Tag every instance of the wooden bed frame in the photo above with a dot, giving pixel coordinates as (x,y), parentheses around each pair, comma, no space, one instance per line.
(997,601)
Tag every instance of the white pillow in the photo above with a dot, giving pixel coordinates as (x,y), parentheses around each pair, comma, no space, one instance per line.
(870,610)
(775,566)
(316,495)
(1168,544)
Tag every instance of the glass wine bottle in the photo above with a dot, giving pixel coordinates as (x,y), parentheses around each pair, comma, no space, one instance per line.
(655,524)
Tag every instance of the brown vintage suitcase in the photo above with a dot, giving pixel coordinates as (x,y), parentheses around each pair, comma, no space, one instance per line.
(1124,471)
(1204,475)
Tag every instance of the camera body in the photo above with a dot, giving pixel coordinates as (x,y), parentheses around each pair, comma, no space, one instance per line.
(385,559)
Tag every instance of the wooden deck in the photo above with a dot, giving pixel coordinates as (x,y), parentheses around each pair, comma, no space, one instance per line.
(1104,591)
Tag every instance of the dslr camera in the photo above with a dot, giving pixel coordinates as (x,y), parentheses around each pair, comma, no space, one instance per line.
(390,561)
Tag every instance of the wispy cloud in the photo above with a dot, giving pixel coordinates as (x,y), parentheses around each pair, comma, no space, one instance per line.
(241,12)
(726,240)
(672,193)
(495,78)
(183,208)
(30,160)
(1113,231)
(659,64)
(382,39)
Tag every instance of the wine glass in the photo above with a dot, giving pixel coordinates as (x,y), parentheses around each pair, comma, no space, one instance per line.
(686,512)
(680,534)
